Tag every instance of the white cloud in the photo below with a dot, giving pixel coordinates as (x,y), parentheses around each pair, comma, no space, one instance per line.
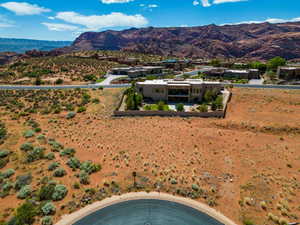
(226,1)
(96,22)
(195,3)
(24,8)
(208,3)
(60,27)
(152,6)
(115,1)
(5,23)
(270,20)
(205,3)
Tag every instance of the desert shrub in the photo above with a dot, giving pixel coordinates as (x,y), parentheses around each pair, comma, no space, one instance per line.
(70,152)
(33,123)
(8,173)
(84,177)
(23,180)
(283,221)
(59,172)
(59,81)
(26,147)
(60,191)
(24,215)
(96,101)
(48,209)
(3,132)
(173,181)
(55,145)
(7,186)
(90,77)
(37,154)
(263,205)
(37,130)
(46,220)
(28,133)
(41,137)
(73,163)
(70,107)
(89,167)
(180,107)
(81,109)
(203,108)
(195,187)
(248,222)
(53,166)
(76,185)
(4,153)
(46,192)
(24,192)
(50,156)
(3,163)
(71,115)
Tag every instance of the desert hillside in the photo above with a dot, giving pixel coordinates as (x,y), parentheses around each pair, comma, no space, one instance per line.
(260,41)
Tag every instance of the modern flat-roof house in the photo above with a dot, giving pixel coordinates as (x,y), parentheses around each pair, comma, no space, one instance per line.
(190,90)
(238,74)
(134,72)
(288,73)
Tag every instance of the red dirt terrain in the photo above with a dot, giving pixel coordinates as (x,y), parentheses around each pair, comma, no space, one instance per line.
(247,165)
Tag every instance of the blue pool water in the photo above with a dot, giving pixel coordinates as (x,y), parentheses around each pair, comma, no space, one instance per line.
(148,212)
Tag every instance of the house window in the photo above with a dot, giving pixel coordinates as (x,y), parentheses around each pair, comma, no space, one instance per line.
(158,90)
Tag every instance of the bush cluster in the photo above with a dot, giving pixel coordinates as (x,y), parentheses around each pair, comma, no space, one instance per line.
(90,167)
(73,163)
(70,152)
(27,147)
(23,180)
(53,166)
(24,192)
(28,133)
(60,192)
(59,172)
(48,209)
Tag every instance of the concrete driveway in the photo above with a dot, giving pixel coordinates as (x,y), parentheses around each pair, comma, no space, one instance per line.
(110,78)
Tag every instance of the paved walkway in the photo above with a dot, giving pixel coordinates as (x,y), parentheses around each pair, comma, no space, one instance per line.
(76,216)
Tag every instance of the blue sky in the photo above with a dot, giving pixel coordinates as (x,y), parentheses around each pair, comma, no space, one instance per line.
(66,19)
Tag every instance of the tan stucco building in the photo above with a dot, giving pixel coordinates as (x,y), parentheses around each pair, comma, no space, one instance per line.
(176,90)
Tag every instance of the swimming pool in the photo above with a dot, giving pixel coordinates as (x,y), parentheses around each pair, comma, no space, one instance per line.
(148,212)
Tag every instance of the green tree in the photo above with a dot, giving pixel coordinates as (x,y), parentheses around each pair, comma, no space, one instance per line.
(215,63)
(262,67)
(25,214)
(208,96)
(180,107)
(274,63)
(219,102)
(160,105)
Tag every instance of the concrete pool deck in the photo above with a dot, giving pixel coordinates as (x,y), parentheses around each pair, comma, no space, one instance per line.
(78,215)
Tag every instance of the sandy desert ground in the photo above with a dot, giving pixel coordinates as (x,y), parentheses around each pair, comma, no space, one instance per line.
(247,165)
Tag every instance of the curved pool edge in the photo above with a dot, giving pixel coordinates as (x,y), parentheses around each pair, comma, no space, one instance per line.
(78,215)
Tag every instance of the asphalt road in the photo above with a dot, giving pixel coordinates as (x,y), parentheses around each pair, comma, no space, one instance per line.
(52,87)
